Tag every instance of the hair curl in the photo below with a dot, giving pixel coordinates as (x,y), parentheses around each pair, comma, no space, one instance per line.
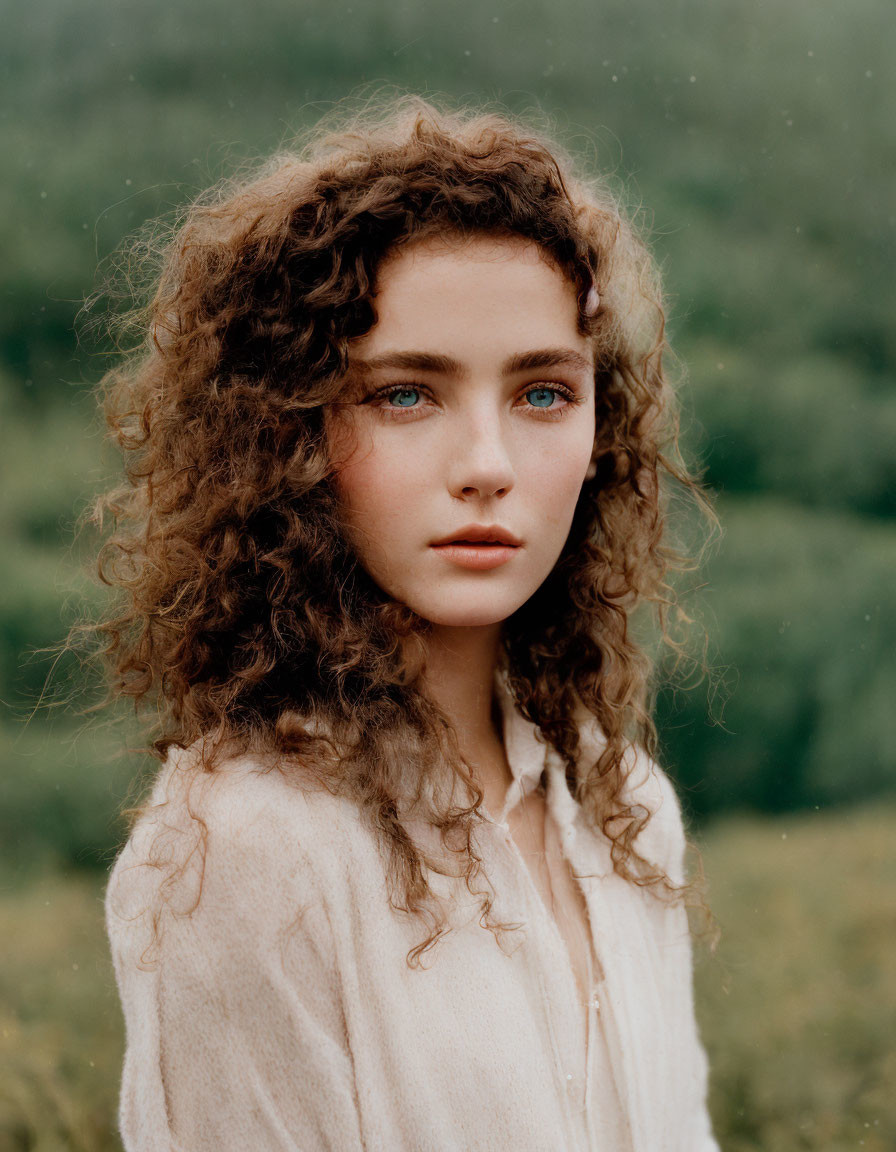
(243,615)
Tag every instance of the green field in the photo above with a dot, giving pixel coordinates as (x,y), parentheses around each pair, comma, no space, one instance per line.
(798,1005)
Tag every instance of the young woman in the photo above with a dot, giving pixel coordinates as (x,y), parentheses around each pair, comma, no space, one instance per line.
(397,453)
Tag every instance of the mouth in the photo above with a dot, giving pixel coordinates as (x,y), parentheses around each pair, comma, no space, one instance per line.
(480,536)
(478,547)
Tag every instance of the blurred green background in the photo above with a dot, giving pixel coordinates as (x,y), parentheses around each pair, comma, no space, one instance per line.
(761,141)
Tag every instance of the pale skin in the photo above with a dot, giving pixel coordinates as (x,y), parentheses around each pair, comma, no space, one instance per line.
(470,402)
(470,438)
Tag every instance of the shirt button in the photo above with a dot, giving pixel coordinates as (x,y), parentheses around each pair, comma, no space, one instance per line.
(569,1075)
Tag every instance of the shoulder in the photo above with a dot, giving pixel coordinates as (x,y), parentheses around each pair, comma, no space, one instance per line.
(662,839)
(649,789)
(245,839)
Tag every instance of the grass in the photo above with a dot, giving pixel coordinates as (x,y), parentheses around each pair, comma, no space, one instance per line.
(60,1032)
(797,1006)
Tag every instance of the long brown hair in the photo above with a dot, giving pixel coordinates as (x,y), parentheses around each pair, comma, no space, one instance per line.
(243,616)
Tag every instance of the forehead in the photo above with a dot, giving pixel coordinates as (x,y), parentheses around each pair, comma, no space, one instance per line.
(450,247)
(468,289)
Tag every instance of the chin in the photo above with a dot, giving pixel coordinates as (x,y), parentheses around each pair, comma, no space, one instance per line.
(465,615)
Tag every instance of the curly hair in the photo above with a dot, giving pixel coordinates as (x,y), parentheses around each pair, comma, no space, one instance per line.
(243,616)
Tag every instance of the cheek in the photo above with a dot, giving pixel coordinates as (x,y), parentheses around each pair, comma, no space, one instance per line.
(555,480)
(362,491)
(375,487)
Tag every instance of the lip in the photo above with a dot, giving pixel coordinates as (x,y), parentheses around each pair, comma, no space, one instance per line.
(482,534)
(478,546)
(479,557)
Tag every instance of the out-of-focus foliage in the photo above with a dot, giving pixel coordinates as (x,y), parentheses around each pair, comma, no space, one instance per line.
(798,1006)
(799,605)
(60,1025)
(815,429)
(762,139)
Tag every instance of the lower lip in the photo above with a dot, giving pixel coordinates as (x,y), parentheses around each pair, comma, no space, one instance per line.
(478,556)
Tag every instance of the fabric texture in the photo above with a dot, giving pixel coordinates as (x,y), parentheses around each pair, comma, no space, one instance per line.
(269,1005)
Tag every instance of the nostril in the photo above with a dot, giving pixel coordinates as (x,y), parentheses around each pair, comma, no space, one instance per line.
(480,492)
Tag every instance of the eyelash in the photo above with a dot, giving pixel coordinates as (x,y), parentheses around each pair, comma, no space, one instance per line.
(395,413)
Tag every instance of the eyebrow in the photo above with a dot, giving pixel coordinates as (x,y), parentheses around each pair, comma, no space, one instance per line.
(448,366)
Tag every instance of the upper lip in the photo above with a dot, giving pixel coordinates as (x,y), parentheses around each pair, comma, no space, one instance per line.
(480,534)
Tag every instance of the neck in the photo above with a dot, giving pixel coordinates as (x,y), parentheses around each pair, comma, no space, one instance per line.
(459,677)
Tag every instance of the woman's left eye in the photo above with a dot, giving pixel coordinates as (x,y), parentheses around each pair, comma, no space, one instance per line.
(541,397)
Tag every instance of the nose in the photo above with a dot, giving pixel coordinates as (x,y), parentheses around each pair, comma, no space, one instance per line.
(481,465)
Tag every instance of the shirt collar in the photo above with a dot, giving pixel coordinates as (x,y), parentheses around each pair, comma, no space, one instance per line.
(524,746)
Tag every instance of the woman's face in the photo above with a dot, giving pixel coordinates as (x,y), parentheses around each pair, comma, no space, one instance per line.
(469,411)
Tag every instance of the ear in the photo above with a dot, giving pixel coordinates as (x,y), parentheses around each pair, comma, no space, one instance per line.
(591,470)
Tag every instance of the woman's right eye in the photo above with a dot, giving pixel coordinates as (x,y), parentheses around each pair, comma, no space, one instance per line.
(402,397)
(397,399)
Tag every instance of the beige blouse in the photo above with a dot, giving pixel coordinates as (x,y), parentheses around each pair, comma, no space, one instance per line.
(557,897)
(277,1011)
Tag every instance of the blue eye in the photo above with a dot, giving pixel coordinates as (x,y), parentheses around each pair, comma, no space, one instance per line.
(541,397)
(403,397)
